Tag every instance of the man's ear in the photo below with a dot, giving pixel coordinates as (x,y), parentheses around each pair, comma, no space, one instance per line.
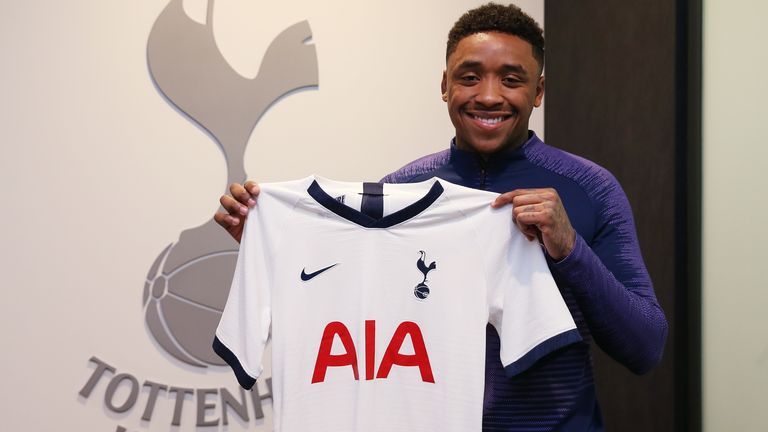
(539,92)
(444,86)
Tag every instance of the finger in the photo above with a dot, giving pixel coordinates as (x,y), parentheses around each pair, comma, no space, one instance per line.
(531,198)
(529,208)
(540,214)
(529,231)
(505,198)
(543,220)
(508,197)
(537,219)
(232,206)
(225,220)
(526,224)
(239,193)
(253,188)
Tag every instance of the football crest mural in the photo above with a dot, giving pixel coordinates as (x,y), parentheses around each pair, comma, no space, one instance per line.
(187,285)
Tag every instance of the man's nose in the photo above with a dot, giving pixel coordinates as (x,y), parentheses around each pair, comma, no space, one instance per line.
(489,93)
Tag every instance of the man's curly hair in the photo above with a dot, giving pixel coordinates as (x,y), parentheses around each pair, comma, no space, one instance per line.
(499,18)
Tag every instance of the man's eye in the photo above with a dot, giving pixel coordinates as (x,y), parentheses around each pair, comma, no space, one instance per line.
(469,78)
(511,80)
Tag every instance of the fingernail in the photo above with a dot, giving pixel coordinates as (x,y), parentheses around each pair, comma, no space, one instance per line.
(243,210)
(233,220)
(251,202)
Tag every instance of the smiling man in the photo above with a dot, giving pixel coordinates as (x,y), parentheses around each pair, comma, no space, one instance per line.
(574,208)
(491,84)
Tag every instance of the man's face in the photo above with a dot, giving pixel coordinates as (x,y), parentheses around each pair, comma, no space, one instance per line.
(491,85)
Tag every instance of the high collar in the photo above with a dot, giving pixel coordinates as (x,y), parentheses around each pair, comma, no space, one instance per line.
(467,161)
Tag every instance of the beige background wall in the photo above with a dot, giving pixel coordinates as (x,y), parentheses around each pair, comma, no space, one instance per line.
(735,285)
(99,173)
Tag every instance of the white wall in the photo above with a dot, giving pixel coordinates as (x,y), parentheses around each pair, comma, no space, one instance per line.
(735,216)
(99,173)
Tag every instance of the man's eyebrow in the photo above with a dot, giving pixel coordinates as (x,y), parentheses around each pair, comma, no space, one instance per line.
(468,64)
(513,68)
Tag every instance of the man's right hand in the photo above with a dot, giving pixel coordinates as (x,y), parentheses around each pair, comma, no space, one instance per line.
(236,205)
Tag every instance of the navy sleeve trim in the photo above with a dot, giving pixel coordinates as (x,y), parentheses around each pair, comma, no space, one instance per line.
(245,380)
(540,350)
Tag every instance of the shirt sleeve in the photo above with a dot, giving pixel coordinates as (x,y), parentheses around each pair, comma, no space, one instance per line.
(611,285)
(525,305)
(244,328)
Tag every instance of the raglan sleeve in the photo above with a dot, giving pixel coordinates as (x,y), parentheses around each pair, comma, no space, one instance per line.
(525,305)
(244,326)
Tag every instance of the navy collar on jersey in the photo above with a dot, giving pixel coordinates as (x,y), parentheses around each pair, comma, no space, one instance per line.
(362,219)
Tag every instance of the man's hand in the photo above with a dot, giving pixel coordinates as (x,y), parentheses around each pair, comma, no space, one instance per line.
(236,205)
(539,213)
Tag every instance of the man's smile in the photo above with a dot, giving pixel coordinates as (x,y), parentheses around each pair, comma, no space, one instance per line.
(489,120)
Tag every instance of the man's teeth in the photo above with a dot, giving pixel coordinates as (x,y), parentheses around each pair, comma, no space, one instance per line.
(489,121)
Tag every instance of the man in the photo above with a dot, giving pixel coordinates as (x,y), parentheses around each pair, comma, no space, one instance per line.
(574,208)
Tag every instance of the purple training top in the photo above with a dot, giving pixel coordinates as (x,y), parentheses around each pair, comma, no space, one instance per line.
(604,283)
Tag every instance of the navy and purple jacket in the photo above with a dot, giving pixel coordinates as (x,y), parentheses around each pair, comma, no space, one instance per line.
(603,280)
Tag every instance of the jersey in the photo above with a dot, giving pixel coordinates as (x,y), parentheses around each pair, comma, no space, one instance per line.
(376,298)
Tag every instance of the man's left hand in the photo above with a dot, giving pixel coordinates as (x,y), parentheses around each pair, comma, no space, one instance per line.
(539,213)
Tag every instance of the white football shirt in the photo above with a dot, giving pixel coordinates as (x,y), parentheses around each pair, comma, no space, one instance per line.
(377,304)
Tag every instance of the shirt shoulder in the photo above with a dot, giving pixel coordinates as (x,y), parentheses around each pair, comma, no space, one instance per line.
(473,206)
(419,167)
(608,202)
(592,178)
(276,207)
(285,190)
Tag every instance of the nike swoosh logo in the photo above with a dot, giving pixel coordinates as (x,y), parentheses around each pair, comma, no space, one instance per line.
(307,276)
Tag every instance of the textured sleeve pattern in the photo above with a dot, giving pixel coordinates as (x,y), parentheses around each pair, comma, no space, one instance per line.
(418,167)
(607,275)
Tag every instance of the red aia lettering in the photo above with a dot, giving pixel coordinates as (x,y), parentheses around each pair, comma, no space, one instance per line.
(324,356)
(418,358)
(392,355)
(370,348)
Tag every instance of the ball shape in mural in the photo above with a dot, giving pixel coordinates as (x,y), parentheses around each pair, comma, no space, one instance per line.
(183,304)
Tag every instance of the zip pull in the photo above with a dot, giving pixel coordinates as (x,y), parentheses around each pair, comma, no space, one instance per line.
(483,171)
